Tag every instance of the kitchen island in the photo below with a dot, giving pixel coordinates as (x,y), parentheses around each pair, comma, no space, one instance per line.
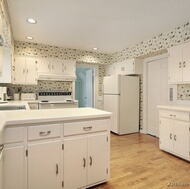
(58,148)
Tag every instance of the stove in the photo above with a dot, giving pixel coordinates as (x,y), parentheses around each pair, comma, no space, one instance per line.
(54,96)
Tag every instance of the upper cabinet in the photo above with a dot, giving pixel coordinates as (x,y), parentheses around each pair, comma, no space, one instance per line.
(127,67)
(25,71)
(7,63)
(60,67)
(179,64)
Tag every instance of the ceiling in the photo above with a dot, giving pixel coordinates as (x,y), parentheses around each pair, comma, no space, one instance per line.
(110,25)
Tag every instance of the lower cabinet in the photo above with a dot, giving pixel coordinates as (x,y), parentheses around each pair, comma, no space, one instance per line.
(175,133)
(14,168)
(87,155)
(43,164)
(57,155)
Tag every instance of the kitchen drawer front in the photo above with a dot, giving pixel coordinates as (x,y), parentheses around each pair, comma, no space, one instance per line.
(43,132)
(83,127)
(13,135)
(175,115)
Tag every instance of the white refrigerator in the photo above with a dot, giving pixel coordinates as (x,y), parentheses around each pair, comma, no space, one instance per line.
(121,97)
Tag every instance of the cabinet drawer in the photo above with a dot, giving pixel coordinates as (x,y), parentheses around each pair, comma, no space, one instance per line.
(13,135)
(175,115)
(82,127)
(43,132)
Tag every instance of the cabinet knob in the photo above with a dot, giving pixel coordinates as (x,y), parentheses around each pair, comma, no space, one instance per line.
(84,162)
(57,169)
(90,161)
(44,133)
(179,64)
(184,64)
(175,137)
(87,128)
(170,136)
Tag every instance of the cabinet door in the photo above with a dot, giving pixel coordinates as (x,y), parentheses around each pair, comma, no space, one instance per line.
(181,138)
(75,162)
(30,71)
(43,66)
(175,65)
(19,72)
(97,158)
(56,67)
(166,134)
(129,66)
(186,63)
(1,170)
(44,165)
(13,168)
(110,70)
(69,68)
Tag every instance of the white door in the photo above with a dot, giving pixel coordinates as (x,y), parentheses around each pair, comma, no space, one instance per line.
(19,70)
(166,134)
(157,92)
(30,71)
(13,168)
(111,84)
(75,162)
(89,88)
(111,104)
(43,65)
(97,155)
(44,167)
(186,63)
(181,138)
(175,65)
(56,67)
(69,67)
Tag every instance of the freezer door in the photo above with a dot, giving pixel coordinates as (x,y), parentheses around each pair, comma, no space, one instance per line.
(111,104)
(112,84)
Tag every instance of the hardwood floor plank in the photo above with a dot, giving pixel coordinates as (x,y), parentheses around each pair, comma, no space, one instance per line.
(138,163)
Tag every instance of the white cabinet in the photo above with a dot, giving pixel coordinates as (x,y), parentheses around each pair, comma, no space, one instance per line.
(175,133)
(6,76)
(179,64)
(14,159)
(127,67)
(43,165)
(1,166)
(49,66)
(86,150)
(25,71)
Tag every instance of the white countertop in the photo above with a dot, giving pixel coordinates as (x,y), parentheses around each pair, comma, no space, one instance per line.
(184,108)
(46,115)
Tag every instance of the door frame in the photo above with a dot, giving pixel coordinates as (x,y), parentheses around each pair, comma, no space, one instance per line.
(144,128)
(96,79)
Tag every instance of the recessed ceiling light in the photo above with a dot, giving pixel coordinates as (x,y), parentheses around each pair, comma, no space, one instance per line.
(31,21)
(95,48)
(29,37)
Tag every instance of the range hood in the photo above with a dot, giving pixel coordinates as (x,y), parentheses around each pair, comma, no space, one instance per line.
(56,77)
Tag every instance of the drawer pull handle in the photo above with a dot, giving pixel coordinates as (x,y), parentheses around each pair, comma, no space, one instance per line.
(87,128)
(1,147)
(171,115)
(175,137)
(90,161)
(170,136)
(57,169)
(44,133)
(84,162)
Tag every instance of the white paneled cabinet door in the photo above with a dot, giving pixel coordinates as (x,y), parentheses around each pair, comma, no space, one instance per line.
(69,68)
(181,138)
(75,162)
(97,156)
(43,65)
(166,134)
(30,71)
(13,166)
(44,165)
(56,67)
(19,70)
(186,63)
(175,65)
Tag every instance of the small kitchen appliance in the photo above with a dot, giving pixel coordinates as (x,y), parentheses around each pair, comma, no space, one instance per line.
(3,94)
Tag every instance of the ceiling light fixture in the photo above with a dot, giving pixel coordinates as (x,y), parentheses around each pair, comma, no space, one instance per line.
(29,37)
(95,48)
(31,21)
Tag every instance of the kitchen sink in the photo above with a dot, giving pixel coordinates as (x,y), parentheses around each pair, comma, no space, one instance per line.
(12,107)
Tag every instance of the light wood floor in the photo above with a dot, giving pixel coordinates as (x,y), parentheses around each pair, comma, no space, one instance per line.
(138,163)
